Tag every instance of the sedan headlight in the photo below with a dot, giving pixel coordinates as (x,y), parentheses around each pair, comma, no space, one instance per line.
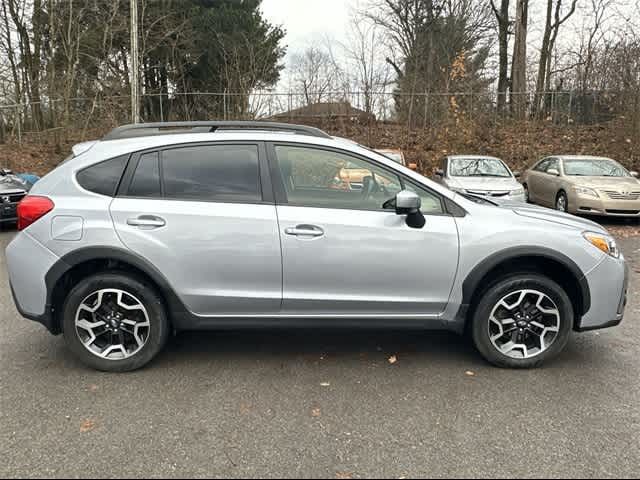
(517,192)
(587,192)
(603,242)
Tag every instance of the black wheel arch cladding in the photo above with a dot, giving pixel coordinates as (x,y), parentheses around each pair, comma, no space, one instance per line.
(543,255)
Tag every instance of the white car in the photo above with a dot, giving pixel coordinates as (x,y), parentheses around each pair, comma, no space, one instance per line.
(480,175)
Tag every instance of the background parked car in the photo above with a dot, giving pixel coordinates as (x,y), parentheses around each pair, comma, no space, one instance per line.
(480,175)
(12,190)
(584,184)
(397,156)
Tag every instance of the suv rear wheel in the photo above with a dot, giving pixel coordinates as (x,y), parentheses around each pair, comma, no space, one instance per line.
(115,322)
(522,321)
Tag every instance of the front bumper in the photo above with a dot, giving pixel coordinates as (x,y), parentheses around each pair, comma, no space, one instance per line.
(608,284)
(606,207)
(8,212)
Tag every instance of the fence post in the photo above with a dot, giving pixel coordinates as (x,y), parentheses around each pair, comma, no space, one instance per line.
(161,112)
(19,122)
(224,104)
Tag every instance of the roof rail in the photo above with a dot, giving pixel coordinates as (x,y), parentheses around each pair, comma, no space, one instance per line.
(172,128)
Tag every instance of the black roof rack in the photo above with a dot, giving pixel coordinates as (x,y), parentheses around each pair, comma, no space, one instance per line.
(172,128)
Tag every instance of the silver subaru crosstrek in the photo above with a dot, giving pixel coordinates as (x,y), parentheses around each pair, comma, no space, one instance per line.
(159,228)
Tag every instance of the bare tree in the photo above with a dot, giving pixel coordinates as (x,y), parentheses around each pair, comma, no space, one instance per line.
(313,74)
(552,27)
(362,51)
(502,17)
(519,63)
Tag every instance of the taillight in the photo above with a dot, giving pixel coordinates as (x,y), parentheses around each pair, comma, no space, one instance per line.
(31,209)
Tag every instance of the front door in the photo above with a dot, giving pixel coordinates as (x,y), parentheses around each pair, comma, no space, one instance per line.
(198,214)
(343,253)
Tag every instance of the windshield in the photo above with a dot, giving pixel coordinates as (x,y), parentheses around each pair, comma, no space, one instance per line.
(478,167)
(600,167)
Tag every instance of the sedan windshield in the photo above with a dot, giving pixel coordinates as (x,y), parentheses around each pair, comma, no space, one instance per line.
(478,167)
(600,167)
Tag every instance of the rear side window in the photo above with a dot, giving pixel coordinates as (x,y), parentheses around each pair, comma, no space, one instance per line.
(146,179)
(212,172)
(104,177)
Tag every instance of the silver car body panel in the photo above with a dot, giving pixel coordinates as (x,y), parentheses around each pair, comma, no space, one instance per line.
(227,261)
(222,258)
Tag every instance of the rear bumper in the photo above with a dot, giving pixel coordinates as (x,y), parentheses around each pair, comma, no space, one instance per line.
(28,263)
(608,283)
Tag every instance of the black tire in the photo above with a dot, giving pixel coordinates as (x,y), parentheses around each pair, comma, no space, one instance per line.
(145,293)
(527,193)
(499,290)
(562,195)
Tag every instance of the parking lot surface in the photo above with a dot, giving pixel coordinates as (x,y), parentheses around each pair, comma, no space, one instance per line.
(344,404)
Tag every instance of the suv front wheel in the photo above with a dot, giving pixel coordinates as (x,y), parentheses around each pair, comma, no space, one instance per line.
(115,322)
(522,321)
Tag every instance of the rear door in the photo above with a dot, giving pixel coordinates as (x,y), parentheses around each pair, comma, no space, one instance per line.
(203,215)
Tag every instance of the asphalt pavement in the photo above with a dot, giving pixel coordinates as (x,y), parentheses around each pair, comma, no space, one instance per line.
(321,404)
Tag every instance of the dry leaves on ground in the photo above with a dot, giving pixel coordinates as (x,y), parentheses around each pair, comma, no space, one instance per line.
(87,426)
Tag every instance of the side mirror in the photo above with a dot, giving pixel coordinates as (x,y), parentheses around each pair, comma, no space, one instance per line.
(517,174)
(635,174)
(554,172)
(409,203)
(440,173)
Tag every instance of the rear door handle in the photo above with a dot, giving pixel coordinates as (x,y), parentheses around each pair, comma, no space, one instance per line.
(147,221)
(305,231)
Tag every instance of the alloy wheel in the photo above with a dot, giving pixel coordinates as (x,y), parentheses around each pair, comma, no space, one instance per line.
(112,324)
(524,324)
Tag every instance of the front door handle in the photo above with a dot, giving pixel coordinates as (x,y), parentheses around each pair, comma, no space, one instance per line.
(305,231)
(147,221)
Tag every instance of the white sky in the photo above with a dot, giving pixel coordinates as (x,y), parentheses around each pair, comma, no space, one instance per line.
(309,21)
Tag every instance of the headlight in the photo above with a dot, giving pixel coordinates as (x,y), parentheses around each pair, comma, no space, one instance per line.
(603,242)
(587,192)
(517,192)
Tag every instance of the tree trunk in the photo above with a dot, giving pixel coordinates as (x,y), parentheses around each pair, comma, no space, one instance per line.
(502,16)
(519,95)
(544,62)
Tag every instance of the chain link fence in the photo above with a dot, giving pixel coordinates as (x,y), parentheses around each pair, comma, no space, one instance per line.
(81,118)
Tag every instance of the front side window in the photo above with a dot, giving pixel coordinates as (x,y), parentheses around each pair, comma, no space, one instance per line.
(327,179)
(542,166)
(103,178)
(552,165)
(212,173)
(430,203)
(478,167)
(601,167)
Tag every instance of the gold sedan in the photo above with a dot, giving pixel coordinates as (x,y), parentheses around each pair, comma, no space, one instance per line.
(582,184)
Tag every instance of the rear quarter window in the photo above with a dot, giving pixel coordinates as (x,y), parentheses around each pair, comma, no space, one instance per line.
(104,177)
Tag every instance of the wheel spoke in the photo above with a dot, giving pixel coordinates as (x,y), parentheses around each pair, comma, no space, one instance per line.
(531,324)
(112,337)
